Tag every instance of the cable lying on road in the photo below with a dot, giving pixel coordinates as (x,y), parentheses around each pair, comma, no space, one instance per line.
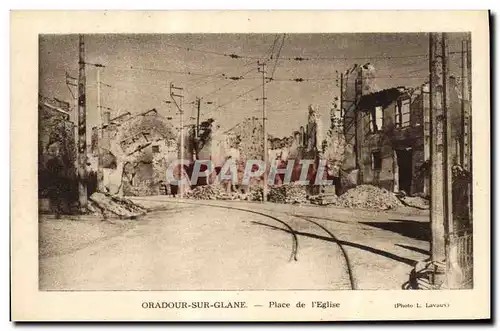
(344,253)
(289,229)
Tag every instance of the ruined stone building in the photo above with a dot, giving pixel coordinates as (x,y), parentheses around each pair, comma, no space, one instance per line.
(387,132)
(313,141)
(56,144)
(246,137)
(135,152)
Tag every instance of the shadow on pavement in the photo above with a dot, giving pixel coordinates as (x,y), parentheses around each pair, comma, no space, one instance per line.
(392,256)
(407,228)
(415,249)
(318,218)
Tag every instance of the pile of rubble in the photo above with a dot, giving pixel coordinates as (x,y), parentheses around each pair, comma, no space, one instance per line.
(369,197)
(289,193)
(216,192)
(110,206)
(324,200)
(208,192)
(256,193)
(362,196)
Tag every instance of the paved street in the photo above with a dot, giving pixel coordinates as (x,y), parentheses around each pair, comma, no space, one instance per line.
(213,245)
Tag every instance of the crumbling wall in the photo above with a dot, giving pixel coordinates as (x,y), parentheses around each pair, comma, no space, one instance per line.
(368,79)
(333,151)
(247,138)
(56,141)
(357,81)
(314,130)
(130,147)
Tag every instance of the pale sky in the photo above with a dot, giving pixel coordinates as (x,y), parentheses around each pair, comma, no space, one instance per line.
(393,56)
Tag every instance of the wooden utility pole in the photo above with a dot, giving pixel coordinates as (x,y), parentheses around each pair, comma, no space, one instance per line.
(469,95)
(262,69)
(427,134)
(449,221)
(73,82)
(173,95)
(438,149)
(82,129)
(465,156)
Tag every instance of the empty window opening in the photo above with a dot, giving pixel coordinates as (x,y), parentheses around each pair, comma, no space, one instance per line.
(377,120)
(402,119)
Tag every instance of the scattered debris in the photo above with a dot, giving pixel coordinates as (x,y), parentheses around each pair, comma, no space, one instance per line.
(370,197)
(113,206)
(256,193)
(324,200)
(362,196)
(217,192)
(288,193)
(207,192)
(421,276)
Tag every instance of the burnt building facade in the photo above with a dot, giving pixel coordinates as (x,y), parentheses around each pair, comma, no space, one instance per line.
(387,132)
(56,152)
(390,140)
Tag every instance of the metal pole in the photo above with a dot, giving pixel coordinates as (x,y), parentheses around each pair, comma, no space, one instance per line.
(99,134)
(341,96)
(264,128)
(198,118)
(75,134)
(181,187)
(181,129)
(82,129)
(438,200)
(469,97)
(463,142)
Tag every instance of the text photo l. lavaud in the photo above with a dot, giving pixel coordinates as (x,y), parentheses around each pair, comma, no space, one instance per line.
(255,161)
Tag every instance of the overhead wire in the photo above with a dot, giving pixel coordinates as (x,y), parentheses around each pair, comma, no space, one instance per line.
(229,55)
(231,78)
(270,56)
(245,73)
(238,96)
(298,58)
(188,73)
(278,56)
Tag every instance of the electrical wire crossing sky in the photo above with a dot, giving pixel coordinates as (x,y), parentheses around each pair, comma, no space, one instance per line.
(136,71)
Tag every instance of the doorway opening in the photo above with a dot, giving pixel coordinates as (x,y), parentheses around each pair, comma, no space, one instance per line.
(404,159)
